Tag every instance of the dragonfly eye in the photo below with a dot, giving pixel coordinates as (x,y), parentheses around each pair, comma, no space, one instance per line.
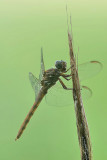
(61,65)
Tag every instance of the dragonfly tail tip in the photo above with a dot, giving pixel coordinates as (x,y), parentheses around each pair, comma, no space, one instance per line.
(16,139)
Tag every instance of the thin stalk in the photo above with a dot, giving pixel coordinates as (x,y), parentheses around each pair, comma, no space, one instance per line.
(81,121)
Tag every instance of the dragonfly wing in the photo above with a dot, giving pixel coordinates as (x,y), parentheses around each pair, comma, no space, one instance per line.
(42,66)
(60,97)
(89,69)
(35,83)
(86,93)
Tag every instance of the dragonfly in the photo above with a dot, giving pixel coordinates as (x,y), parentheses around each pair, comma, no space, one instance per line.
(47,80)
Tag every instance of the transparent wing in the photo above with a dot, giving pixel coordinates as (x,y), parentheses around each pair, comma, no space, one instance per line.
(60,97)
(89,69)
(33,80)
(42,69)
(57,96)
(35,83)
(85,70)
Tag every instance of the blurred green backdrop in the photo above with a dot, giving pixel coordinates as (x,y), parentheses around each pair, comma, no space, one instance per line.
(25,26)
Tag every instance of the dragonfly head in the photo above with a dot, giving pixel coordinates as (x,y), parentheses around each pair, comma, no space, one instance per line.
(61,65)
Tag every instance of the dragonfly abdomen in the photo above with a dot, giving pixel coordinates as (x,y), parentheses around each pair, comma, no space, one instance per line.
(31,112)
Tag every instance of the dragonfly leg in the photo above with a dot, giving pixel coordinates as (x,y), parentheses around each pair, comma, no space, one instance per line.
(67,70)
(65,76)
(63,85)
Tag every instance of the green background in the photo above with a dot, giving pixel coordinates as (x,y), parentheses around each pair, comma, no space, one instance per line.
(25,26)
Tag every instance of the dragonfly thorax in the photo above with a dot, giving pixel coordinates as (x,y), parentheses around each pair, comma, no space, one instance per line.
(61,65)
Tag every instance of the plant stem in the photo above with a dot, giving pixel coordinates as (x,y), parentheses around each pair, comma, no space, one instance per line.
(81,121)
